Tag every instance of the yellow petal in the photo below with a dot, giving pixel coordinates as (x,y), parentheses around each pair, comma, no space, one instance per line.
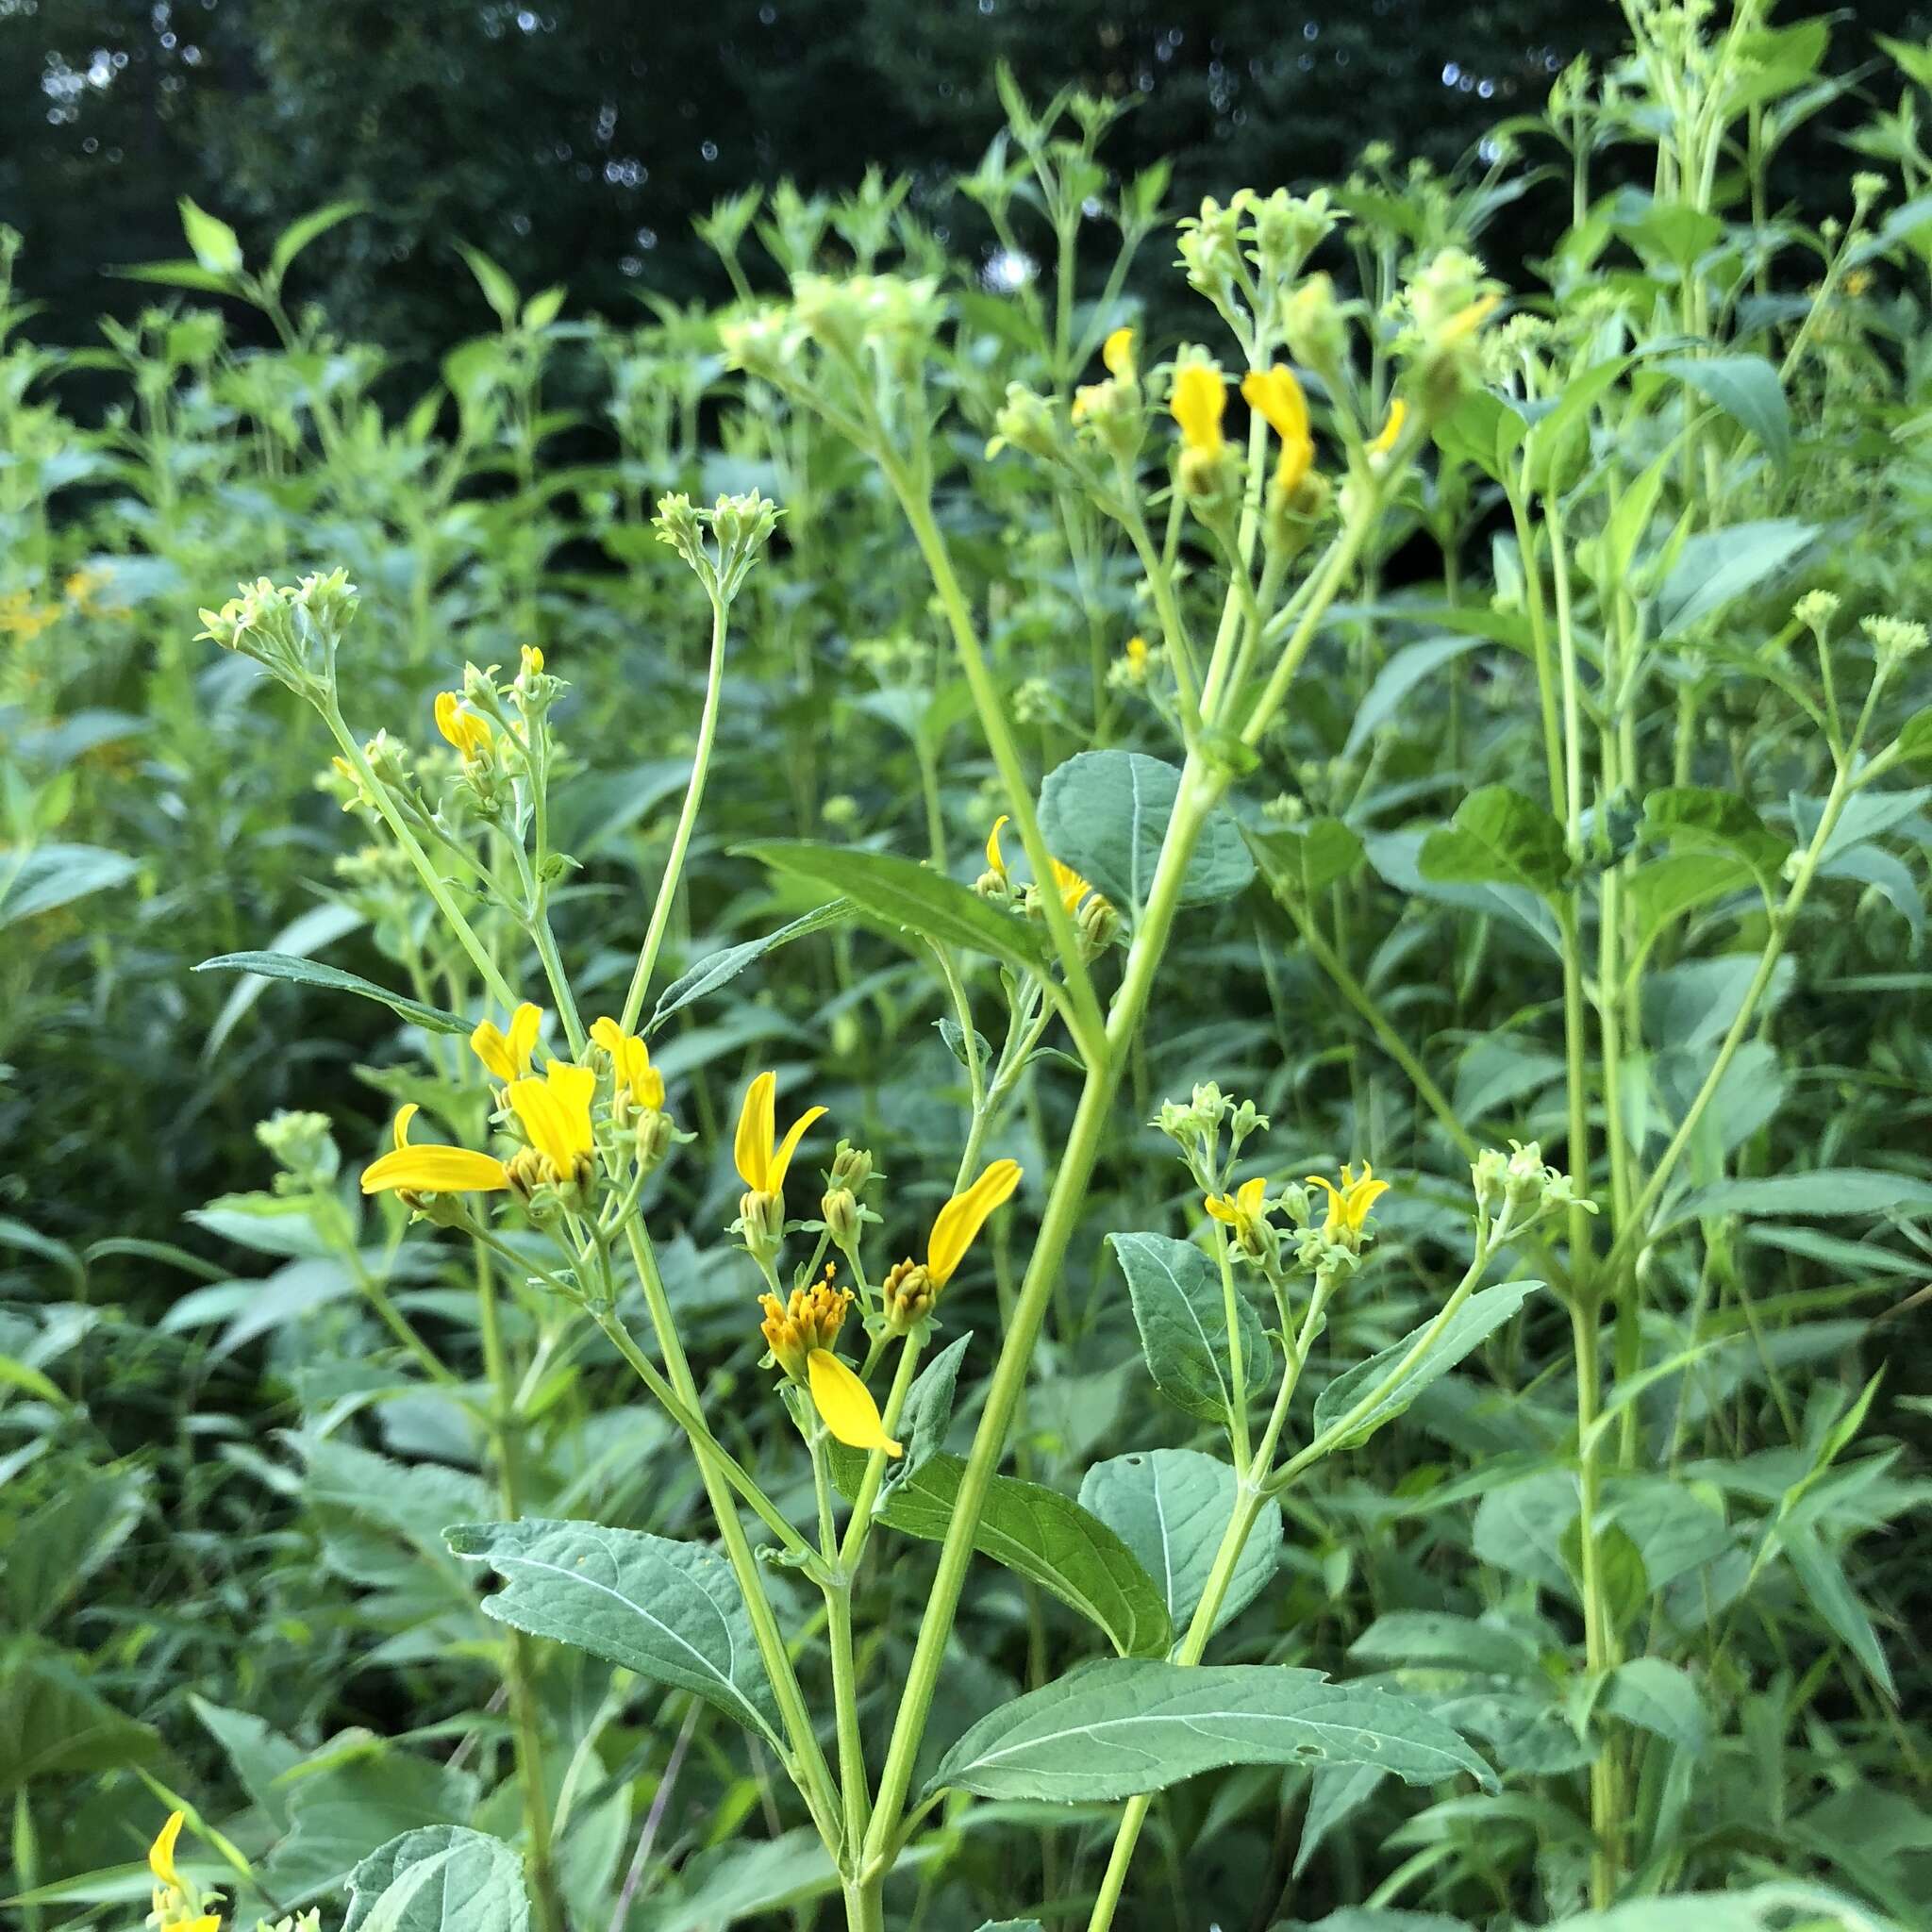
(1297,458)
(1117,352)
(525,1025)
(1069,885)
(994,862)
(1200,396)
(556,1112)
(1362,1198)
(1250,1196)
(608,1034)
(962,1217)
(1222,1210)
(160,1854)
(401,1130)
(489,1045)
(1275,395)
(1391,428)
(436,1171)
(846,1406)
(757,1128)
(449,712)
(781,1157)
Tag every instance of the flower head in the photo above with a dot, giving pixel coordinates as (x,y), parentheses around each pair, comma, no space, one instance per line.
(1349,1204)
(554,1112)
(636,1079)
(761,1157)
(1117,352)
(1199,401)
(1275,396)
(470,733)
(1243,1208)
(507,1054)
(910,1287)
(801,1333)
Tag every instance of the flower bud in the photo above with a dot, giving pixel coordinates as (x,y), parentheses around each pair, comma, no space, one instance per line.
(907,1294)
(761,1223)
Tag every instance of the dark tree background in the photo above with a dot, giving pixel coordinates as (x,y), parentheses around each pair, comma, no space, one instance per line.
(575,140)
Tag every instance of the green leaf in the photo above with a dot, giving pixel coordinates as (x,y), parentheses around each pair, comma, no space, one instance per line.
(1106,814)
(1438,1639)
(721,968)
(1181,1312)
(671,1612)
(1498,838)
(54,1724)
(1301,862)
(1471,1326)
(1659,1697)
(742,1879)
(904,896)
(307,228)
(1823,1578)
(175,275)
(1036,1532)
(929,1410)
(1336,1792)
(1915,737)
(1665,891)
(345,1808)
(1826,1192)
(1171,1507)
(211,241)
(258,1754)
(439,1878)
(313,973)
(305,934)
(1747,390)
(498,289)
(47,876)
(1716,567)
(1397,856)
(1696,818)
(1118,1727)
(1397,678)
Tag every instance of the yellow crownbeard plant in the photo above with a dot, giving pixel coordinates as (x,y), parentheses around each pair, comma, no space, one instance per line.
(560,1133)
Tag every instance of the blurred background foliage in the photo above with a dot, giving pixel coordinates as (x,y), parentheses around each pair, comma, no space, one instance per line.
(575,140)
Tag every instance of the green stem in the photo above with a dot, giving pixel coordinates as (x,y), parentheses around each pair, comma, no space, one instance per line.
(1606,1819)
(687,820)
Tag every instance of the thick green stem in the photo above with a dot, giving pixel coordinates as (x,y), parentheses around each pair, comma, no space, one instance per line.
(1606,1819)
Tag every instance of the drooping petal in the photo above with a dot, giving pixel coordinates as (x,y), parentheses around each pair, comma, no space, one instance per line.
(1069,885)
(1222,1210)
(433,1170)
(1386,437)
(556,1112)
(1362,1198)
(781,1157)
(1117,352)
(757,1129)
(608,1034)
(525,1025)
(1250,1196)
(1275,395)
(962,1217)
(449,712)
(846,1406)
(1297,459)
(489,1045)
(160,1854)
(1200,397)
(1336,1212)
(400,1132)
(995,862)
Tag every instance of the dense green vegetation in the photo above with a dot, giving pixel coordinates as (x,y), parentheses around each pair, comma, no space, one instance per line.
(1329,850)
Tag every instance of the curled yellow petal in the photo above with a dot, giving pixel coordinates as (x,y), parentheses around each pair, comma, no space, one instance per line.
(1277,396)
(556,1112)
(525,1025)
(1221,1207)
(436,1171)
(1117,352)
(1391,428)
(756,1127)
(507,1054)
(160,1854)
(1250,1196)
(846,1406)
(962,1217)
(470,734)
(400,1132)
(1200,397)
(781,1155)
(608,1034)
(995,862)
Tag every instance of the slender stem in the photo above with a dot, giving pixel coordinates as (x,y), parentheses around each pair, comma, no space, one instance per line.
(687,820)
(1605,1817)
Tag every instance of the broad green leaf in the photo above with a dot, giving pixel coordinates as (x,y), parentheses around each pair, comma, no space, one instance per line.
(1336,1792)
(669,1612)
(1181,1311)
(1717,566)
(175,275)
(313,973)
(1747,390)
(1823,1578)
(1695,818)
(1439,1638)
(1106,814)
(307,228)
(1763,1908)
(1397,856)
(1118,1727)
(928,1410)
(498,289)
(1915,737)
(1663,892)
(1299,861)
(258,1755)
(1405,670)
(1468,1328)
(1498,838)
(345,1809)
(742,1880)
(211,241)
(305,934)
(1828,1191)
(1036,1532)
(439,1878)
(52,1551)
(53,1723)
(721,968)
(1171,1507)
(47,876)
(1661,1698)
(1519,1527)
(905,896)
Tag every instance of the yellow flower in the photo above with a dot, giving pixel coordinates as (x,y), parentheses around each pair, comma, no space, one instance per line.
(846,1406)
(533,660)
(1241,1210)
(1349,1204)
(1117,352)
(1137,657)
(21,618)
(1069,885)
(432,1169)
(554,1112)
(175,1908)
(1465,322)
(800,1333)
(630,1060)
(959,1221)
(1200,397)
(761,1157)
(1275,396)
(507,1054)
(1391,428)
(470,734)
(995,862)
